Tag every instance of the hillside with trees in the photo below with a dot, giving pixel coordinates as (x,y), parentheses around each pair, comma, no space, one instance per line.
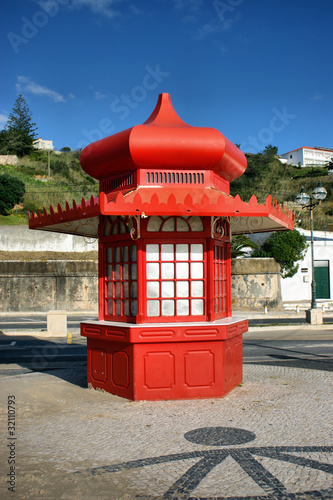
(265,175)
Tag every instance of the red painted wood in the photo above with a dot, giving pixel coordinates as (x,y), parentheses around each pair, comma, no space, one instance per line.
(167,369)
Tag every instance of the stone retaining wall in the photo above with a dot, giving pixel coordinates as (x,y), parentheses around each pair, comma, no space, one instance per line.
(43,286)
(255,283)
(73,285)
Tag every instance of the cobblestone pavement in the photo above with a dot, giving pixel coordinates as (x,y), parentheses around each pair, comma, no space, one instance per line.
(270,438)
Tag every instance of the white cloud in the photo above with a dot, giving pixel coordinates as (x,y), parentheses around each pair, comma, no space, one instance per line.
(188,4)
(103,7)
(317,97)
(25,84)
(212,28)
(135,10)
(99,95)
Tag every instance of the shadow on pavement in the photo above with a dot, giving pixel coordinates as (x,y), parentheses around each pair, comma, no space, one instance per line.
(26,354)
(290,358)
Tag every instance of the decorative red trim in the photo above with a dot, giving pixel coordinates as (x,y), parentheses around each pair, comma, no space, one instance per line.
(146,201)
(85,210)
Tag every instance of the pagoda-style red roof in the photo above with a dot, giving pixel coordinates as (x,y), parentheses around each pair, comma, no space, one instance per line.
(164,141)
(164,167)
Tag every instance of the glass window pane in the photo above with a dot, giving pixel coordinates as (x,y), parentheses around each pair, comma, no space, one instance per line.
(133,272)
(109,291)
(197,306)
(126,307)
(183,307)
(197,251)
(183,289)
(125,290)
(117,289)
(109,255)
(107,228)
(196,223)
(153,308)
(134,307)
(133,253)
(134,290)
(117,304)
(153,271)
(182,269)
(197,288)
(109,306)
(167,251)
(109,272)
(125,272)
(117,272)
(152,251)
(182,252)
(122,227)
(154,223)
(153,289)
(169,224)
(168,289)
(125,254)
(182,225)
(197,270)
(168,270)
(117,254)
(168,307)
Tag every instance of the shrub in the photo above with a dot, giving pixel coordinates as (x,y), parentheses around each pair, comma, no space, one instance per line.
(11,192)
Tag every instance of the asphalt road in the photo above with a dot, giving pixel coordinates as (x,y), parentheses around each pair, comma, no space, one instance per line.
(21,354)
(39,322)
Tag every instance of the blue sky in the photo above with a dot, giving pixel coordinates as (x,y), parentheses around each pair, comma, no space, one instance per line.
(260,71)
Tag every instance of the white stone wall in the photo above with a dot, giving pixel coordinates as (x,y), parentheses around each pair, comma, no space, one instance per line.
(21,238)
(298,288)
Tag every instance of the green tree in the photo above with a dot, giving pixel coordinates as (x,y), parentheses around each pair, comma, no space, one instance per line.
(19,132)
(240,245)
(287,248)
(270,151)
(11,192)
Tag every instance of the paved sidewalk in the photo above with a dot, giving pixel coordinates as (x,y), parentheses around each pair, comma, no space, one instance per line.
(270,438)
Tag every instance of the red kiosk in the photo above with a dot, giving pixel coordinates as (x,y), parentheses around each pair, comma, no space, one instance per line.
(164,219)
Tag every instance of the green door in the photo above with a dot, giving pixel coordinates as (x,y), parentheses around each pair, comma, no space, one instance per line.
(321,274)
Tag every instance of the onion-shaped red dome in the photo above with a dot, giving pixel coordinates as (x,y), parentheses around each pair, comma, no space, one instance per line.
(164,141)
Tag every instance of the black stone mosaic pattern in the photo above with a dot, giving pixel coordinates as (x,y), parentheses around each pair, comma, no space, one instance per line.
(245,457)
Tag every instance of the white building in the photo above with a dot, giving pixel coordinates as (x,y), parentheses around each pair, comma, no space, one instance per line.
(298,288)
(42,144)
(308,157)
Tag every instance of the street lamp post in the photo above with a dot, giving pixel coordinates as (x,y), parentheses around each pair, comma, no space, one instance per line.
(311,201)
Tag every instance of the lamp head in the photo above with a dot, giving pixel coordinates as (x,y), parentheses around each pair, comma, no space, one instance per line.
(302,198)
(319,193)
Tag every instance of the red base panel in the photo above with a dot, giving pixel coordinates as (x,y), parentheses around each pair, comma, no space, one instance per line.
(198,368)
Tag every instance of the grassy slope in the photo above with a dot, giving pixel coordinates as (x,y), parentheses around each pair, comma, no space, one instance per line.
(67,182)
